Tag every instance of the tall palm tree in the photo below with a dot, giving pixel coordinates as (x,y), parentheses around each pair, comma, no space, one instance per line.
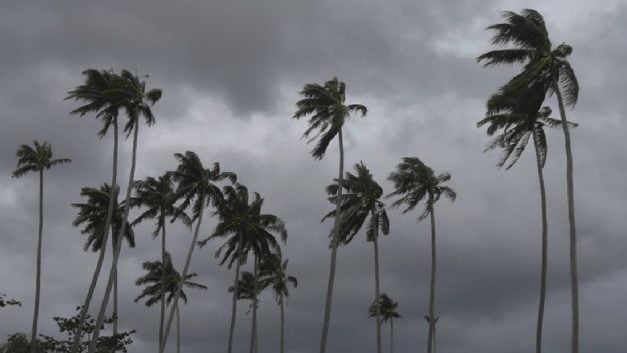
(328,109)
(37,158)
(517,119)
(248,288)
(361,199)
(273,273)
(94,214)
(246,229)
(158,197)
(102,95)
(386,308)
(548,68)
(413,181)
(159,276)
(196,187)
(136,103)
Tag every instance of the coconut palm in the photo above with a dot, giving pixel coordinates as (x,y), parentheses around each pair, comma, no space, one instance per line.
(197,188)
(413,181)
(385,307)
(548,68)
(328,110)
(273,273)
(246,229)
(102,95)
(248,288)
(136,102)
(158,197)
(159,276)
(517,119)
(360,200)
(37,158)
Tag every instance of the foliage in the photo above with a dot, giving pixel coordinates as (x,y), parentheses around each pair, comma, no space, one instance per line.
(387,308)
(35,159)
(8,302)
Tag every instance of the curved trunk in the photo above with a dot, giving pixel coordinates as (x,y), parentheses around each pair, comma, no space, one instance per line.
(376,284)
(282,342)
(574,283)
(253,334)
(544,247)
(329,297)
(116,253)
(431,318)
(94,280)
(33,340)
(235,295)
(188,259)
(178,330)
(163,279)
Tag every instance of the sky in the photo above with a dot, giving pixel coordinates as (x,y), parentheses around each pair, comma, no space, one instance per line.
(230,71)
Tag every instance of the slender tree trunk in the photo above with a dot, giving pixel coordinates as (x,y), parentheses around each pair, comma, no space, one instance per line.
(253,334)
(431,319)
(116,253)
(163,279)
(544,247)
(282,342)
(574,283)
(235,294)
(376,282)
(94,280)
(336,225)
(33,340)
(188,260)
(391,335)
(178,330)
(115,294)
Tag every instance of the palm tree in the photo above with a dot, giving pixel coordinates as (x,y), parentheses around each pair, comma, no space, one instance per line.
(273,273)
(362,199)
(159,276)
(545,67)
(386,308)
(247,229)
(517,119)
(158,196)
(413,181)
(94,214)
(248,288)
(36,158)
(326,105)
(136,103)
(102,96)
(196,188)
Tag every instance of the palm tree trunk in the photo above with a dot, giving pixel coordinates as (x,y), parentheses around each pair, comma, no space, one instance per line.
(544,247)
(235,294)
(33,340)
(178,330)
(115,295)
(391,335)
(376,283)
(329,297)
(282,342)
(431,319)
(103,247)
(168,324)
(116,253)
(574,283)
(253,334)
(163,279)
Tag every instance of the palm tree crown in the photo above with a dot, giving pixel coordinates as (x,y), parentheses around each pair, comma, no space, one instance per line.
(328,110)
(387,308)
(273,273)
(35,159)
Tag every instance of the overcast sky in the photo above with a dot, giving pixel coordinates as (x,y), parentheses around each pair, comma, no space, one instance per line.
(230,71)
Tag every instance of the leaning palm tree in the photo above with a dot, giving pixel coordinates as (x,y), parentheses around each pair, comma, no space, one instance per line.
(517,119)
(273,273)
(328,110)
(158,197)
(360,201)
(386,308)
(136,102)
(93,215)
(36,158)
(548,68)
(196,187)
(246,229)
(159,276)
(413,181)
